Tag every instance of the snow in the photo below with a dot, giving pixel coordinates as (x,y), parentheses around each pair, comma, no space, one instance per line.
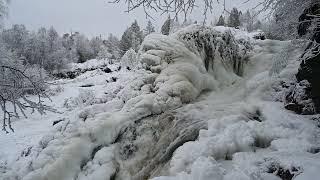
(245,133)
(90,64)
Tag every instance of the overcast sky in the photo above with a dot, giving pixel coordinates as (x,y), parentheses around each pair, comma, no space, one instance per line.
(91,17)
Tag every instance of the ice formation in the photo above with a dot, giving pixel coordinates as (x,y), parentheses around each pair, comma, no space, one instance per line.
(161,122)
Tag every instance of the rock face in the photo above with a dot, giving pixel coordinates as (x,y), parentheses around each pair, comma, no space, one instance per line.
(298,98)
(308,86)
(310,71)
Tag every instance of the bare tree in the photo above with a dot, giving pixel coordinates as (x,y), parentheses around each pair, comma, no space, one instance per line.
(17,82)
(184,7)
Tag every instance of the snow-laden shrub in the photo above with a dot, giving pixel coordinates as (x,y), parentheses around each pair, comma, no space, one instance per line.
(130,60)
(85,98)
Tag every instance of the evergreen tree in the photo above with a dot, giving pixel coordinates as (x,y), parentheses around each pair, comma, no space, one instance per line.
(247,21)
(165,29)
(136,36)
(221,21)
(129,60)
(96,45)
(83,48)
(234,18)
(53,37)
(112,45)
(125,42)
(131,38)
(149,28)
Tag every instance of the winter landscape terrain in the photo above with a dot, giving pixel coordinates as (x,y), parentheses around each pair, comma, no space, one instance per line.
(198,102)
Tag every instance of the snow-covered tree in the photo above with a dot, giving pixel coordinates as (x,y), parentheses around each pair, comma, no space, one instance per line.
(104,54)
(131,38)
(83,48)
(125,42)
(57,60)
(3,10)
(69,45)
(165,28)
(112,45)
(149,28)
(53,39)
(286,15)
(250,21)
(15,38)
(221,21)
(136,36)
(234,18)
(130,59)
(257,25)
(96,45)
(17,81)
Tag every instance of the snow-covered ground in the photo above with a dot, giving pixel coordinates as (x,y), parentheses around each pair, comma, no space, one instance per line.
(143,124)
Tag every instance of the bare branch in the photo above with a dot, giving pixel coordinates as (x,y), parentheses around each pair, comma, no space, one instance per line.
(14,88)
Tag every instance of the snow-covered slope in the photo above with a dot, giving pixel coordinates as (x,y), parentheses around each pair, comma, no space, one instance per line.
(203,107)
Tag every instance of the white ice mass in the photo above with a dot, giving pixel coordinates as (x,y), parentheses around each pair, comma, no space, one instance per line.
(203,104)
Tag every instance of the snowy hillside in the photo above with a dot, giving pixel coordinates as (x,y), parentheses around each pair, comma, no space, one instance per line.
(206,103)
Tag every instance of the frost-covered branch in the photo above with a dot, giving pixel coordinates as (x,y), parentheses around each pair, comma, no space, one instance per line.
(17,81)
(184,7)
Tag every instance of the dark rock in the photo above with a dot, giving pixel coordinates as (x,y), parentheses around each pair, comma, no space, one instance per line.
(314,150)
(286,174)
(114,79)
(26,152)
(306,100)
(294,107)
(56,122)
(260,36)
(297,98)
(95,150)
(87,85)
(107,70)
(310,70)
(71,75)
(283,173)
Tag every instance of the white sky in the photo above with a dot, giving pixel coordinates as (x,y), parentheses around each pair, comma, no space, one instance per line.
(91,17)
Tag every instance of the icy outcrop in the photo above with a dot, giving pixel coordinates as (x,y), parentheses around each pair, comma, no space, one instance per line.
(177,69)
(310,66)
